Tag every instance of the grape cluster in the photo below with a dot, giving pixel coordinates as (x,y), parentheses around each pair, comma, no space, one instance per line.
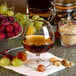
(23,19)
(9,60)
(34,26)
(9,27)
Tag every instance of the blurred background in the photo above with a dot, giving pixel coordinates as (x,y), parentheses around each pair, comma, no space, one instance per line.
(19,5)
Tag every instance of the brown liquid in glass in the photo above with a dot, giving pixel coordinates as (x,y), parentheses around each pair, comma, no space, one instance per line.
(37,44)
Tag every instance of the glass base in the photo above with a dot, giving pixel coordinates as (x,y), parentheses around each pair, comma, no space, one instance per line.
(67,45)
(33,63)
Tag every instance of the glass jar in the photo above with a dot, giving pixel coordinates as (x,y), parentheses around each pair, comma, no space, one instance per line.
(7,7)
(65,10)
(10,3)
(67,30)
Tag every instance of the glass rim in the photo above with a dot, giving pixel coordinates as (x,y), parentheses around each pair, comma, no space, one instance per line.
(47,22)
(67,20)
(38,9)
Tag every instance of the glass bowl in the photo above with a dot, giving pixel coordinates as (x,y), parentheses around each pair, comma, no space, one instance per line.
(5,40)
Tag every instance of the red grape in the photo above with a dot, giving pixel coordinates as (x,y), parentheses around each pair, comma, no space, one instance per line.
(16,25)
(5,23)
(2,28)
(2,35)
(10,34)
(41,68)
(10,18)
(9,28)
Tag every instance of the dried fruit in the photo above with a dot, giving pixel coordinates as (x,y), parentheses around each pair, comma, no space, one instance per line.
(63,62)
(52,59)
(67,63)
(71,64)
(41,68)
(57,63)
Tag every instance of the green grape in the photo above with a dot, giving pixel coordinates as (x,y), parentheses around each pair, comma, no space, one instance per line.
(32,23)
(38,25)
(27,22)
(31,30)
(30,19)
(35,17)
(39,22)
(3,9)
(23,22)
(23,17)
(18,15)
(40,18)
(5,62)
(16,62)
(10,13)
(27,17)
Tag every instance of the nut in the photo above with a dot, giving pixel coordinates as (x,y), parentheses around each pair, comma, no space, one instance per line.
(63,62)
(57,63)
(52,59)
(67,64)
(71,64)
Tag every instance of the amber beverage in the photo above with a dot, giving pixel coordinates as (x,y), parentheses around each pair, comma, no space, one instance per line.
(39,7)
(37,44)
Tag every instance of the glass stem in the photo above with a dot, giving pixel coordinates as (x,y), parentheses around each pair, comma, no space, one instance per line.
(37,57)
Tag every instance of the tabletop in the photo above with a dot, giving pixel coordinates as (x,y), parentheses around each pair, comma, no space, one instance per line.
(68,53)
